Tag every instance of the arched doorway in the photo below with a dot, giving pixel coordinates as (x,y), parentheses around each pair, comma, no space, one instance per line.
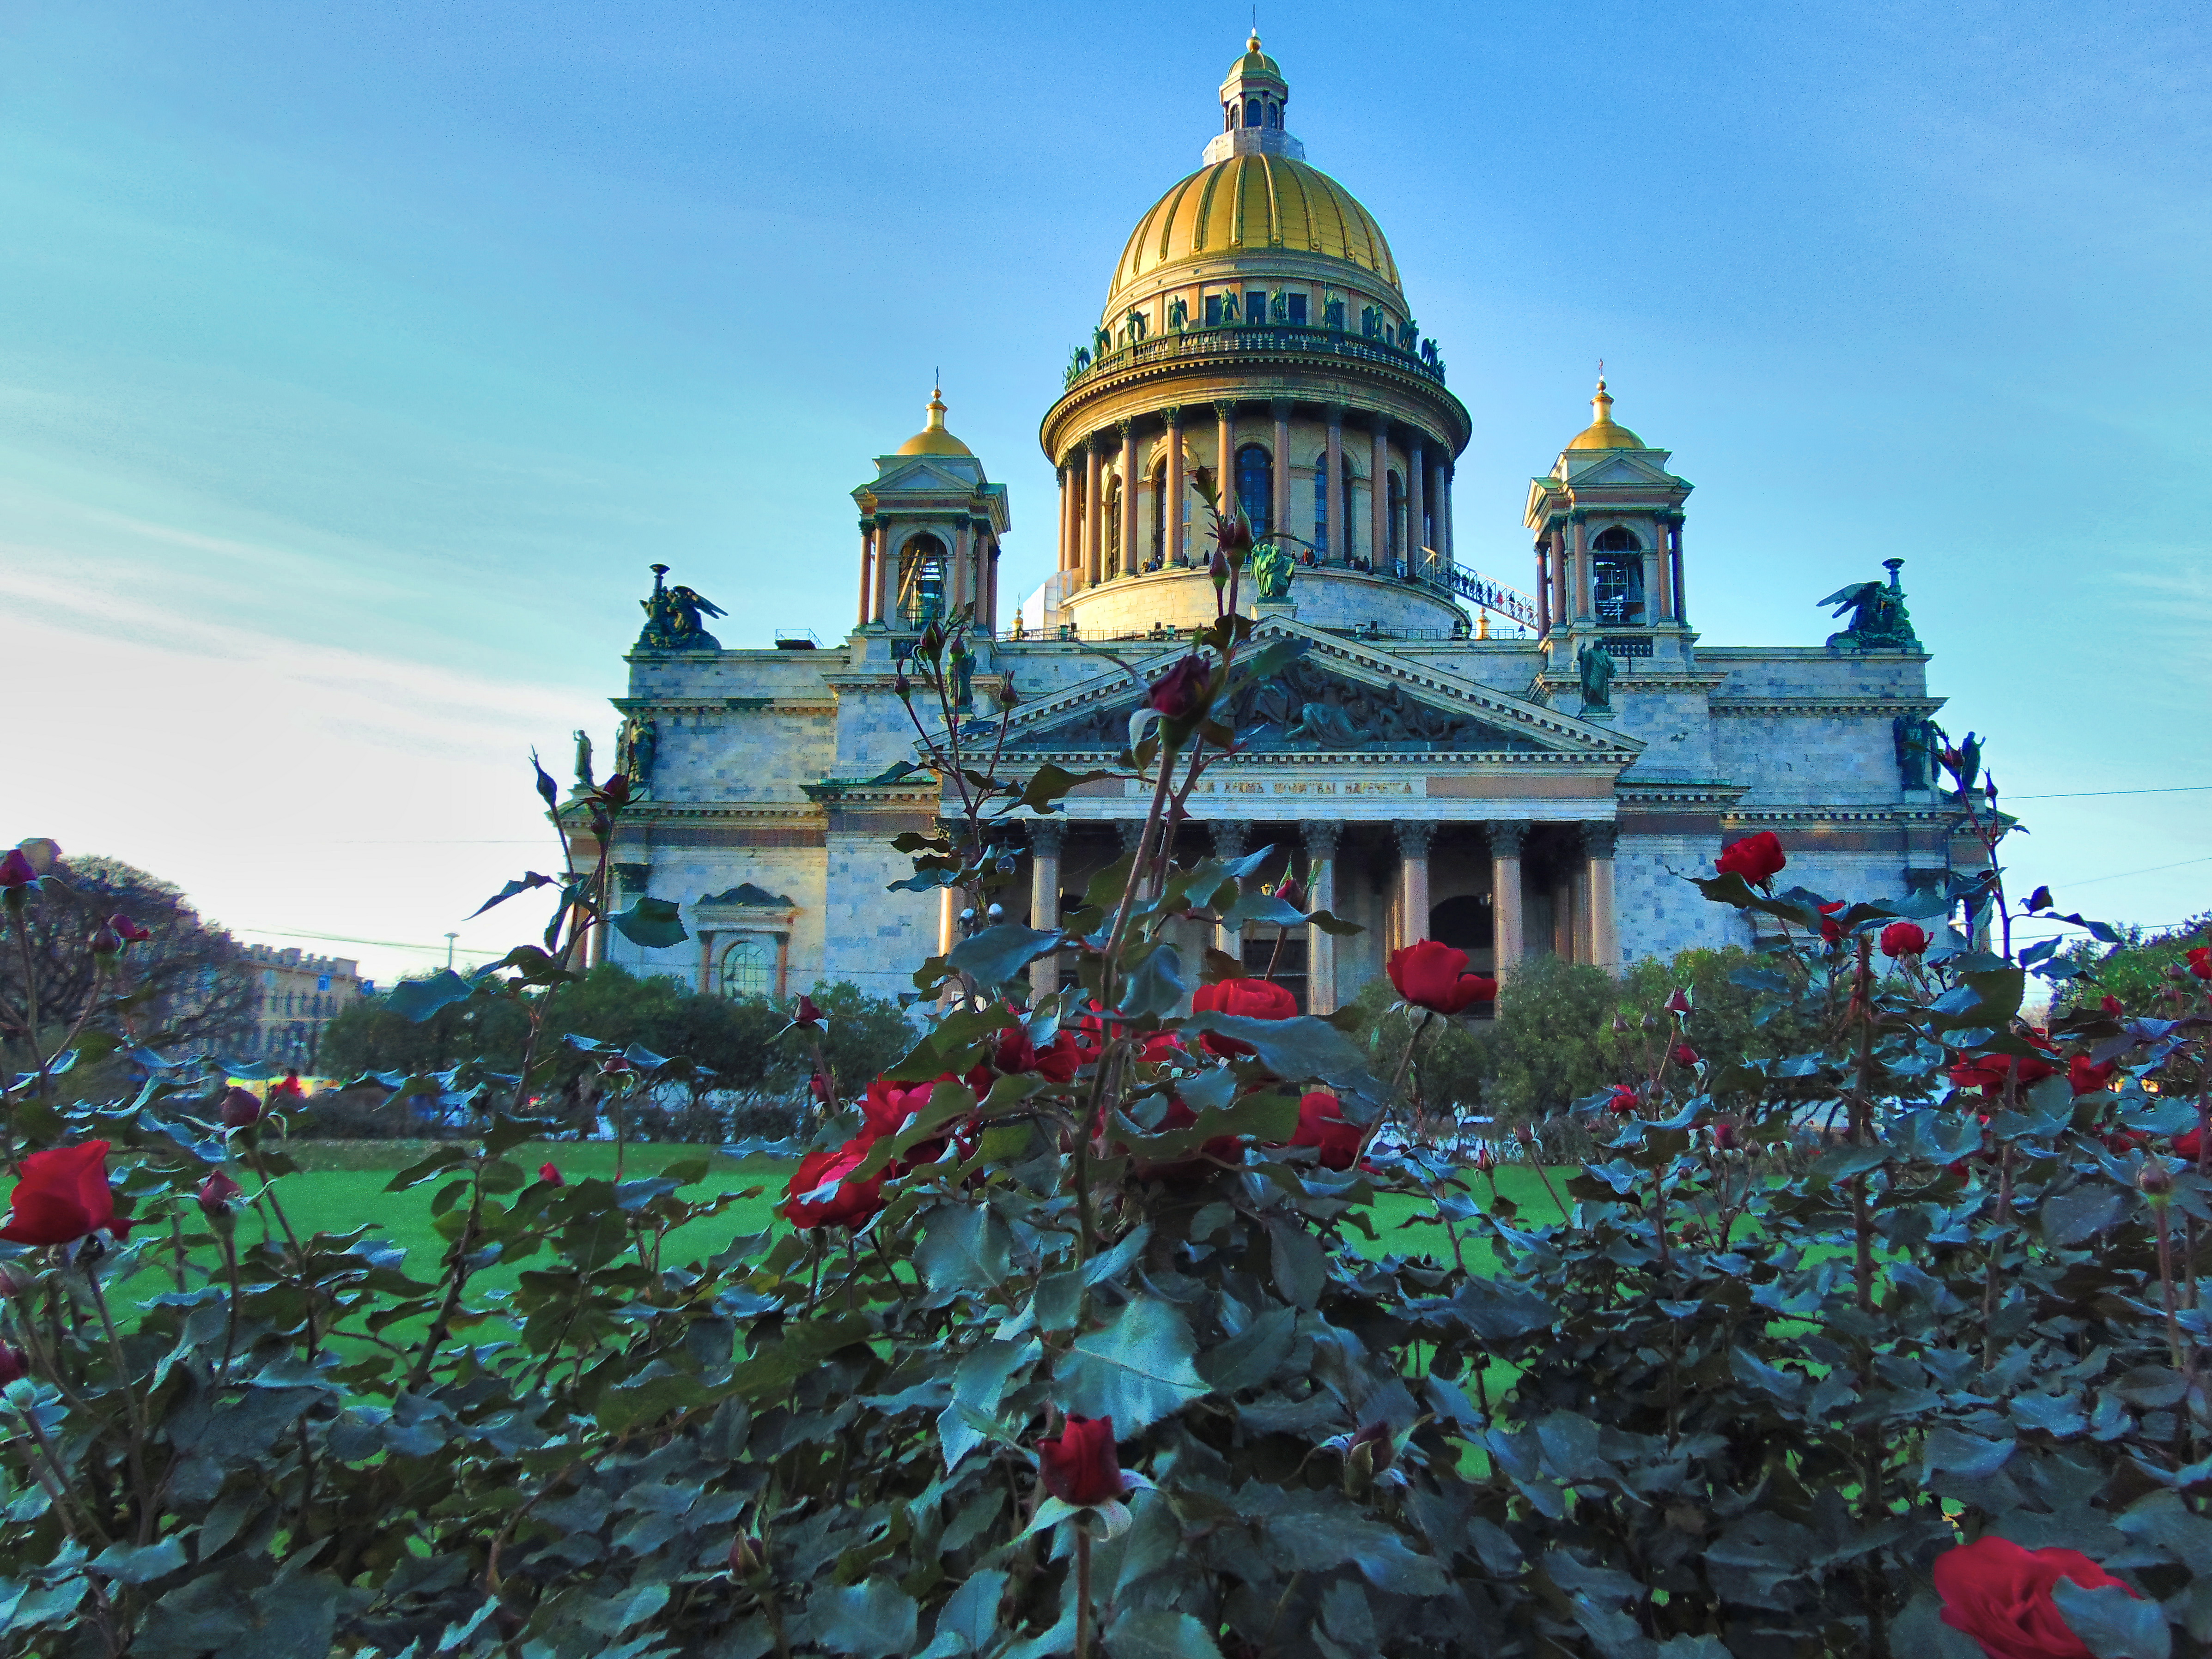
(921,580)
(1466,923)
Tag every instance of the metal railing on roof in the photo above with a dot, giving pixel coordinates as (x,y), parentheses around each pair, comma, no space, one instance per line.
(1235,339)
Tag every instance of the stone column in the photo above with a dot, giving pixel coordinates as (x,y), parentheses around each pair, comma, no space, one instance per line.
(1172,509)
(782,967)
(1573,942)
(960,583)
(1130,561)
(1417,537)
(1225,455)
(1681,601)
(1582,569)
(1280,506)
(1094,527)
(1652,562)
(1659,569)
(1231,838)
(987,571)
(1379,490)
(1604,923)
(1413,838)
(706,962)
(1562,597)
(1046,837)
(1339,510)
(948,919)
(1066,515)
(1450,548)
(887,574)
(1505,843)
(1320,840)
(867,569)
(1543,589)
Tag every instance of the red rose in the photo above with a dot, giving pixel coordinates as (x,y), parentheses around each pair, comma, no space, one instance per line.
(806,1013)
(1757,858)
(2189,1146)
(2087,1079)
(17,872)
(126,930)
(1485,1160)
(1163,1048)
(239,1109)
(1078,1466)
(1685,1055)
(2200,961)
(2125,1141)
(1904,939)
(1093,1033)
(2112,1006)
(1321,1126)
(1013,1053)
(63,1197)
(889,1107)
(852,1203)
(1180,693)
(818,1087)
(1622,1101)
(550,1175)
(1247,999)
(1999,1593)
(1059,1060)
(14,1364)
(217,1191)
(1725,1134)
(1832,931)
(1434,976)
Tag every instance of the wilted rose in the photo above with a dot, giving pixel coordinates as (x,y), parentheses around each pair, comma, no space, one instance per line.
(1757,858)
(1080,1465)
(1433,976)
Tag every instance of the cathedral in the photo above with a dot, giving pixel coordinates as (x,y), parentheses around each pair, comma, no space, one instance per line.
(1513,770)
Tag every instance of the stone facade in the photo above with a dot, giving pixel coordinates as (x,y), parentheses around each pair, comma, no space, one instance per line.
(1518,774)
(296,994)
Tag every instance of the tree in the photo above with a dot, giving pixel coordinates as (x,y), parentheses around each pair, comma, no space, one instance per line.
(1554,1042)
(188,985)
(2135,970)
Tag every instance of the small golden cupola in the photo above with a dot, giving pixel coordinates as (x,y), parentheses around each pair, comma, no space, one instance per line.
(933,439)
(1603,432)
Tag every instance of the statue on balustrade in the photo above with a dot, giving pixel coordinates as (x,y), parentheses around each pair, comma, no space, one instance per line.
(583,784)
(1078,363)
(1879,619)
(637,745)
(674,618)
(1102,342)
(1370,323)
(1331,313)
(1178,313)
(1272,568)
(963,677)
(1139,324)
(1279,309)
(1917,740)
(1597,666)
(1408,332)
(1230,314)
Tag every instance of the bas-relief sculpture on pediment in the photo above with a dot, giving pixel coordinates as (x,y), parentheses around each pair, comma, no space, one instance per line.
(1302,709)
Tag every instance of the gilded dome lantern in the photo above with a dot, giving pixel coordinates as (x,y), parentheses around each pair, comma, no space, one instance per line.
(1256,331)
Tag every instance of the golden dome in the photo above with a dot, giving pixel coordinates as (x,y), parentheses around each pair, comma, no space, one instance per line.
(933,440)
(1254,203)
(1602,433)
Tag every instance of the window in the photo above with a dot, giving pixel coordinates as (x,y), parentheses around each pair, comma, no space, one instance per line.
(921,580)
(1251,111)
(1297,303)
(1617,587)
(1256,488)
(1256,306)
(1617,540)
(1274,113)
(746,970)
(1213,310)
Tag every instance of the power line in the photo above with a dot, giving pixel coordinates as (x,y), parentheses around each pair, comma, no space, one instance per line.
(348,939)
(2085,795)
(2152,869)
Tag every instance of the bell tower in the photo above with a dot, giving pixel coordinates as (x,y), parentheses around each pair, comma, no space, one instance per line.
(1607,523)
(930,527)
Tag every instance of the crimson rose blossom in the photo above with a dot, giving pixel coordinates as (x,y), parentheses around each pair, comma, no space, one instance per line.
(1622,1101)
(806,1013)
(1685,1055)
(1322,1125)
(63,1197)
(1434,976)
(1988,1072)
(1247,999)
(1078,1466)
(1757,858)
(17,872)
(854,1202)
(1999,1593)
(2200,961)
(217,1191)
(126,930)
(1181,692)
(2085,1078)
(1904,939)
(1832,931)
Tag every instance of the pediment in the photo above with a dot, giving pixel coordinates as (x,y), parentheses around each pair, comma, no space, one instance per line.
(927,474)
(1621,467)
(1339,698)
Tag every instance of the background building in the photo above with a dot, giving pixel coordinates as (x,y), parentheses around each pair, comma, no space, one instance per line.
(297,994)
(1511,772)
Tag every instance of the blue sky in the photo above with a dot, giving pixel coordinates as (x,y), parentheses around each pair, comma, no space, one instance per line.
(355,361)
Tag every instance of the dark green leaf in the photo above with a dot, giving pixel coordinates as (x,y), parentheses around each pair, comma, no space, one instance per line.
(2112,1622)
(871,1620)
(418,999)
(655,924)
(134,1565)
(531,879)
(1136,1370)
(998,953)
(1157,986)
(2083,1212)
(1248,1360)
(1159,1633)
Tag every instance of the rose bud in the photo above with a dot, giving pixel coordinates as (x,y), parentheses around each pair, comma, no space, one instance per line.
(14,1363)
(13,1281)
(2113,1006)
(105,943)
(2039,899)
(900,686)
(932,642)
(240,1109)
(1079,1466)
(615,1065)
(1291,893)
(1724,1134)
(1216,568)
(1678,1004)
(1685,1055)
(1622,1101)
(806,1013)
(1006,695)
(745,1557)
(1524,1135)
(17,872)
(550,1174)
(1485,1160)
(127,930)
(2156,1180)
(2200,962)
(818,1087)
(1180,692)
(218,1192)
(1234,536)
(616,790)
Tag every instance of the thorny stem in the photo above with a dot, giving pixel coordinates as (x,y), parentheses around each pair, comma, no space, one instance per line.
(1082,1590)
(132,1405)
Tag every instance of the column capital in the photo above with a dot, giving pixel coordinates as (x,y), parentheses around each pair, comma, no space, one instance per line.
(867,523)
(1414,836)
(1578,516)
(1379,423)
(1226,407)
(1320,835)
(1507,839)
(1280,408)
(1332,413)
(1131,830)
(1598,839)
(1172,414)
(1127,427)
(1047,837)
(1231,836)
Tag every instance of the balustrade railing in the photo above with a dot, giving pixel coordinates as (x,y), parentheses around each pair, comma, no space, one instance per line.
(1233,340)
